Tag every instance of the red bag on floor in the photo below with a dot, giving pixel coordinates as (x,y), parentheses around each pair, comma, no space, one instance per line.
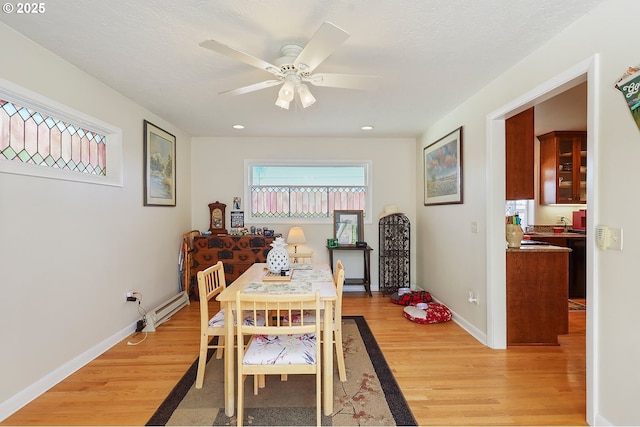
(435,313)
(411,298)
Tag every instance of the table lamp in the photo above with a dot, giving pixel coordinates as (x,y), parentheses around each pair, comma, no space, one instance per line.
(295,237)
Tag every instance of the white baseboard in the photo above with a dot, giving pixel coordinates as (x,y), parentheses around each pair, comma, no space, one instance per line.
(472,330)
(464,324)
(22,398)
(601,421)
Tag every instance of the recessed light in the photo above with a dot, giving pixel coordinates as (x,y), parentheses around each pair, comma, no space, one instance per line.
(238,127)
(367,128)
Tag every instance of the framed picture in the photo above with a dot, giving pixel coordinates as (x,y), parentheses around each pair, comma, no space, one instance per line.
(348,227)
(443,170)
(237,219)
(159,166)
(237,203)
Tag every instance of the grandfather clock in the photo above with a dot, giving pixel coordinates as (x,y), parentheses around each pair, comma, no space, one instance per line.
(217,218)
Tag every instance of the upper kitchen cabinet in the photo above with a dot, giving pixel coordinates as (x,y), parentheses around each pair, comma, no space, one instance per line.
(519,156)
(563,167)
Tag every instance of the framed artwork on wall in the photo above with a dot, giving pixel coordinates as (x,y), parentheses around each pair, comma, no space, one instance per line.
(443,170)
(237,203)
(348,227)
(159,166)
(237,219)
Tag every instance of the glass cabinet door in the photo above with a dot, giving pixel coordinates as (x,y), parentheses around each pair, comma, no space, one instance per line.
(582,172)
(563,167)
(565,175)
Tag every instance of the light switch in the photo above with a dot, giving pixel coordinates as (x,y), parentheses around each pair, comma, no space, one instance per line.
(615,238)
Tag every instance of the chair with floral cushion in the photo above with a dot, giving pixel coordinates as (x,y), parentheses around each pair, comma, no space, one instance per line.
(338,278)
(280,347)
(211,282)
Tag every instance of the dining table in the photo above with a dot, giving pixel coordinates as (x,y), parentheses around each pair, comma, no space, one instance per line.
(303,278)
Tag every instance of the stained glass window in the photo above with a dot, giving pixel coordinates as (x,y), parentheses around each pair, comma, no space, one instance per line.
(296,190)
(29,136)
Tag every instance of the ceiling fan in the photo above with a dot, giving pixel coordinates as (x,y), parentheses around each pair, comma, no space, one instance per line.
(296,66)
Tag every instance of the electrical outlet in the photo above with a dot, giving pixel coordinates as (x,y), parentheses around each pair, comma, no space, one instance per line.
(130,296)
(473,299)
(474,227)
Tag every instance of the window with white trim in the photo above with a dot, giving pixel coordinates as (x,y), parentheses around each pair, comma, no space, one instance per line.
(40,137)
(29,136)
(302,191)
(524,209)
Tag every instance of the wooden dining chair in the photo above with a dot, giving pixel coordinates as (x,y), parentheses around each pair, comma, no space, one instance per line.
(279,347)
(338,278)
(337,320)
(211,282)
(301,257)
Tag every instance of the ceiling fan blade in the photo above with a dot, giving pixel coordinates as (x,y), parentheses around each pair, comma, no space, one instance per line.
(346,81)
(251,88)
(241,56)
(322,44)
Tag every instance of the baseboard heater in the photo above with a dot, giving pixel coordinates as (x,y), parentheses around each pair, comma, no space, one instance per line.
(164,311)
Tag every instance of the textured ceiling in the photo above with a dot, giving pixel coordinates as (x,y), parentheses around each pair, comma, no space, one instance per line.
(431,55)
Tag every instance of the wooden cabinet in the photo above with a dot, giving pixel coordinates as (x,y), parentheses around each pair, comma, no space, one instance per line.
(577,261)
(537,299)
(237,253)
(563,167)
(519,156)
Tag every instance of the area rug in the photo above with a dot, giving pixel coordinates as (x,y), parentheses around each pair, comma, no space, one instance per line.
(576,306)
(369,397)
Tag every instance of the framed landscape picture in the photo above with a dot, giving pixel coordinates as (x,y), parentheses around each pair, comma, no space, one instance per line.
(348,227)
(443,170)
(159,166)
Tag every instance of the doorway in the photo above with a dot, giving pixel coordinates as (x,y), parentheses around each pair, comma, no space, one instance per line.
(587,71)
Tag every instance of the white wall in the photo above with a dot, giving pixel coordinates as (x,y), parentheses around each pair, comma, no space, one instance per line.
(70,250)
(445,242)
(218,168)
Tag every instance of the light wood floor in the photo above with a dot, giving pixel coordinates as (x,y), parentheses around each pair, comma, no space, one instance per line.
(447,377)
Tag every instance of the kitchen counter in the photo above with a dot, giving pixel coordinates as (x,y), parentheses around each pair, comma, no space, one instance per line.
(532,235)
(577,258)
(537,294)
(539,248)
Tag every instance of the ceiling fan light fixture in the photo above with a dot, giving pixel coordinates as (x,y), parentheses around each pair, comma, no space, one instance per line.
(297,64)
(282,103)
(286,91)
(306,98)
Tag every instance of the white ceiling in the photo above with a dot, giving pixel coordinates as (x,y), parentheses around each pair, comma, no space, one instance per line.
(431,55)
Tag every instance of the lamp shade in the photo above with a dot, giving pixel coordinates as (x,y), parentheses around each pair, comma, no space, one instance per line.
(306,98)
(282,103)
(296,236)
(286,91)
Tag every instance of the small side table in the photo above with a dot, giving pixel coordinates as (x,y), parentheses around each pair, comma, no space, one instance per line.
(366,254)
